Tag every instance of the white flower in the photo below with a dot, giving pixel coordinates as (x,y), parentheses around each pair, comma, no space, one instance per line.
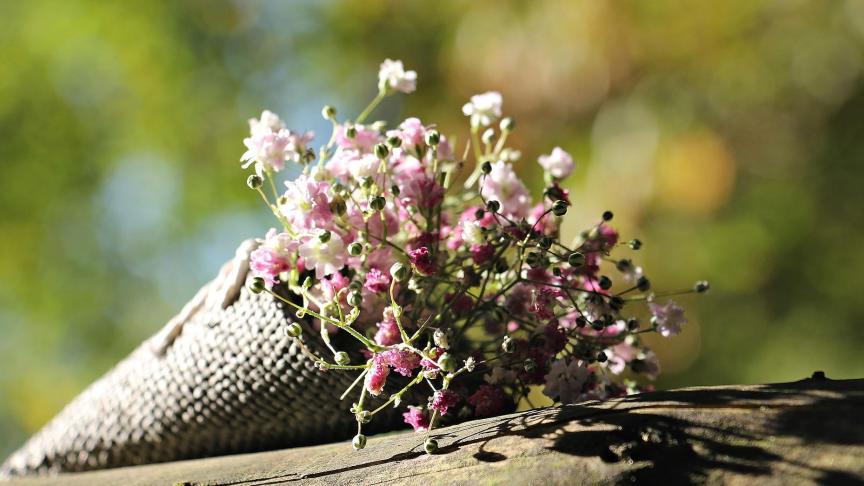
(559,163)
(471,232)
(364,166)
(269,122)
(667,319)
(326,257)
(503,185)
(565,380)
(393,75)
(484,108)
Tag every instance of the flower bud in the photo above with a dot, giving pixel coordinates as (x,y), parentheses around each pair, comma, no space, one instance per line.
(430,446)
(530,365)
(605,282)
(338,206)
(355,249)
(488,135)
(381,151)
(341,358)
(632,324)
(294,330)
(359,441)
(309,156)
(559,208)
(433,138)
(377,203)
(635,244)
(508,346)
(355,299)
(493,206)
(351,131)
(257,286)
(507,124)
(254,181)
(601,357)
(328,112)
(702,286)
(446,362)
(576,259)
(394,189)
(545,243)
(607,215)
(581,322)
(624,265)
(394,142)
(324,236)
(399,272)
(470,364)
(486,167)
(643,284)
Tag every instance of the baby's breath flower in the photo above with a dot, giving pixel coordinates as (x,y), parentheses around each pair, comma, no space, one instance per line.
(393,76)
(484,108)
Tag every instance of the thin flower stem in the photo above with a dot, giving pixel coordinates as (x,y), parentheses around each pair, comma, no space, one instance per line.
(372,105)
(351,387)
(399,394)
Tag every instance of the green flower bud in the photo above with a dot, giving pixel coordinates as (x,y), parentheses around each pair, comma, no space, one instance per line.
(507,124)
(254,181)
(643,284)
(607,215)
(355,299)
(702,286)
(351,131)
(377,203)
(433,138)
(632,324)
(635,244)
(381,151)
(530,365)
(363,416)
(394,189)
(359,441)
(338,206)
(559,208)
(355,249)
(341,358)
(394,142)
(493,206)
(399,272)
(545,243)
(294,330)
(324,236)
(486,167)
(257,286)
(441,338)
(601,357)
(488,136)
(309,156)
(576,259)
(328,112)
(430,446)
(446,362)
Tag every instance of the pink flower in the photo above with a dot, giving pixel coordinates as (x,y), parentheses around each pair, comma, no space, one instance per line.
(481,254)
(558,164)
(388,330)
(393,76)
(434,354)
(377,281)
(364,139)
(411,132)
(421,191)
(307,203)
(503,185)
(273,256)
(270,144)
(442,400)
(403,361)
(488,400)
(667,319)
(421,259)
(565,381)
(326,257)
(377,376)
(416,417)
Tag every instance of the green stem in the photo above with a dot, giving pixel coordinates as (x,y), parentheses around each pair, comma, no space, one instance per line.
(374,104)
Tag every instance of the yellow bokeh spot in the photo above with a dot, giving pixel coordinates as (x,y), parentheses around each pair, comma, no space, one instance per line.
(694,173)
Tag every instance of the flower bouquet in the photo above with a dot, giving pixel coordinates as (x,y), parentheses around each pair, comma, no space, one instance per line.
(448,293)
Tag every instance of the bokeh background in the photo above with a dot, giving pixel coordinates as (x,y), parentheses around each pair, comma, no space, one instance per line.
(729,136)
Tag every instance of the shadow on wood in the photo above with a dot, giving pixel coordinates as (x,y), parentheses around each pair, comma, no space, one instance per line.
(803,432)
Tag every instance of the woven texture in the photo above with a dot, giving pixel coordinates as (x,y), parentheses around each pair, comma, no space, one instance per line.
(230,382)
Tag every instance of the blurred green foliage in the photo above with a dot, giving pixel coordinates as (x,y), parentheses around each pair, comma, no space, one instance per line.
(728,136)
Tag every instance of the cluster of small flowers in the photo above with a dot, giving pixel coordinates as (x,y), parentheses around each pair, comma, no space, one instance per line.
(469,289)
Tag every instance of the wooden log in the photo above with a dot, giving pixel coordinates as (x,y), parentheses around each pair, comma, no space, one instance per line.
(806,432)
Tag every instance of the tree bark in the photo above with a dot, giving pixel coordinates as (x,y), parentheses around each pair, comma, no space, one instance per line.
(807,432)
